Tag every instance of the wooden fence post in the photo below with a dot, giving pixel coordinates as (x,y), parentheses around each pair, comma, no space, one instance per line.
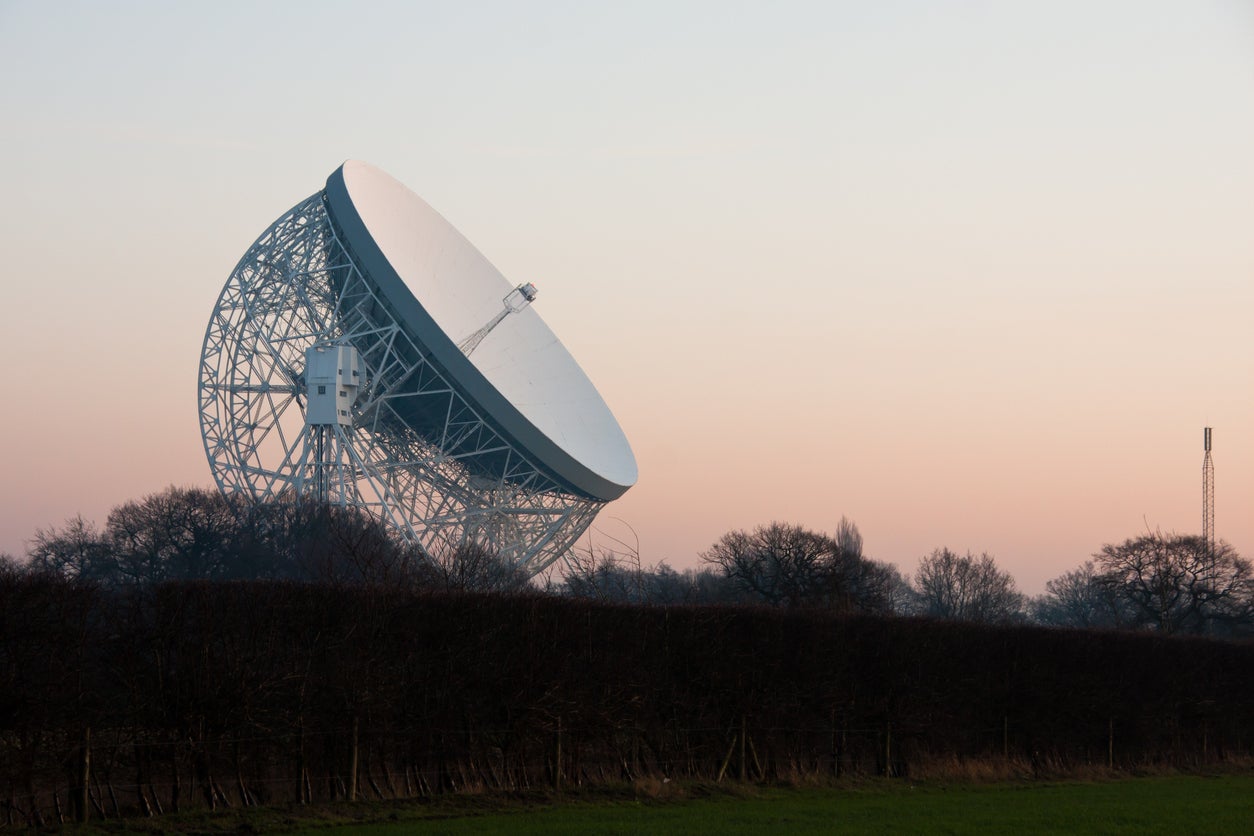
(352,765)
(301,773)
(744,763)
(722,770)
(835,748)
(888,749)
(82,800)
(557,758)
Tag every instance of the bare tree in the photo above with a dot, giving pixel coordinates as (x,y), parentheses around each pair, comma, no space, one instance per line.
(848,537)
(966,588)
(10,566)
(176,534)
(1177,584)
(1076,599)
(787,565)
(194,534)
(604,580)
(470,568)
(77,550)
(883,589)
(364,551)
(700,585)
(605,573)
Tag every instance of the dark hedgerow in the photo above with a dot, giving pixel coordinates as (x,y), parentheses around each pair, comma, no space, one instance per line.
(237,693)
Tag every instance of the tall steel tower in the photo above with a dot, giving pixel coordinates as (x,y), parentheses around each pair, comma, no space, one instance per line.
(1208,495)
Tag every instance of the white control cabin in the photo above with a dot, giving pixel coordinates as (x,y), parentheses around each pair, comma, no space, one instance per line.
(333,374)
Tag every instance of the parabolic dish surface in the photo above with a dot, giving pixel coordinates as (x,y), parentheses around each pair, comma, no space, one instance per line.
(443,289)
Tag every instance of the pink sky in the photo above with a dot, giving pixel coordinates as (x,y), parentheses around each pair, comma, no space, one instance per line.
(973,275)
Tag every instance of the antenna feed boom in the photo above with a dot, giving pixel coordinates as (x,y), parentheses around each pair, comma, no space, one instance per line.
(514,301)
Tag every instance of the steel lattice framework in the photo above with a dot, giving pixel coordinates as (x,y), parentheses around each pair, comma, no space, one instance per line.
(463,483)
(1208,495)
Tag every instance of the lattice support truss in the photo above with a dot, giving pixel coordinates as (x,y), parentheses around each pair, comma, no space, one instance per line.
(455,483)
(1208,496)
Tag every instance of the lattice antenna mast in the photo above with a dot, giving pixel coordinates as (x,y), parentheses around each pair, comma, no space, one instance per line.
(1208,495)
(517,299)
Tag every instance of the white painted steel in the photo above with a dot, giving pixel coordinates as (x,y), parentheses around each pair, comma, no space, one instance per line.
(520,374)
(418,452)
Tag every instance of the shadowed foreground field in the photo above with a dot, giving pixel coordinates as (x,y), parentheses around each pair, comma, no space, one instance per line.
(1220,804)
(1175,804)
(1181,804)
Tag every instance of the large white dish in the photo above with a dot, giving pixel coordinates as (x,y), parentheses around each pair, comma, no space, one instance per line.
(522,379)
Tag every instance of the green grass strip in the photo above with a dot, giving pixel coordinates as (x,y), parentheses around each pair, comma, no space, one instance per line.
(1172,805)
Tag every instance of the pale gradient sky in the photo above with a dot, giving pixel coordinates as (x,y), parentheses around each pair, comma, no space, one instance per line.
(974,274)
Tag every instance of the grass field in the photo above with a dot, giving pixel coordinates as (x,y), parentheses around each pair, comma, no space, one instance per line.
(1175,804)
(1170,805)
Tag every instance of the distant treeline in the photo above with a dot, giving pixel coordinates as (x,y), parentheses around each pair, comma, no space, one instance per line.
(1167,583)
(131,700)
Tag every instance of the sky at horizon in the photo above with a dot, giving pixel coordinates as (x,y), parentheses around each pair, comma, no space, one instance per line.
(971,274)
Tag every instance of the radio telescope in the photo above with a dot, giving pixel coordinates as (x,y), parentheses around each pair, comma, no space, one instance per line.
(363,353)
